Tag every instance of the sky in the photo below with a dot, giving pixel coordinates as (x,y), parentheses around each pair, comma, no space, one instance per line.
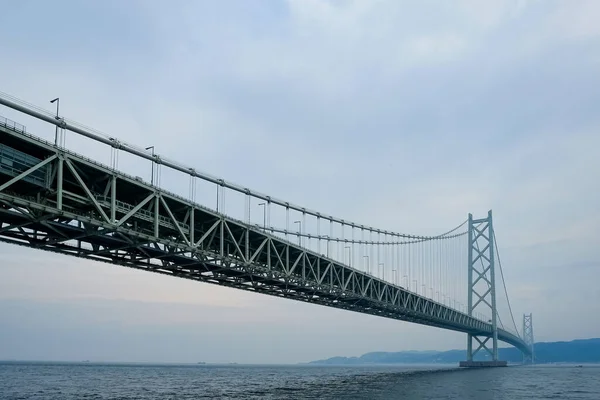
(403,115)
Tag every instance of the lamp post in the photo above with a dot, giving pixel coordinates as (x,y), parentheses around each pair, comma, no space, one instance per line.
(368,269)
(394,278)
(264,206)
(382,271)
(57,101)
(327,236)
(152,178)
(299,232)
(349,255)
(406,285)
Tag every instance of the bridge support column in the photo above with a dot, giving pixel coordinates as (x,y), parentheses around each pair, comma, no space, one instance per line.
(482,293)
(528,337)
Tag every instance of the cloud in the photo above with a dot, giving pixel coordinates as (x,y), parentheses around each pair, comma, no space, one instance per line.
(575,22)
(401,115)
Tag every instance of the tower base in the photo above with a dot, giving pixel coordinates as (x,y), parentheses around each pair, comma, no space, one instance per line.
(482,364)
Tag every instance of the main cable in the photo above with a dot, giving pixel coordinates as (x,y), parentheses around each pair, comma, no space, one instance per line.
(504,284)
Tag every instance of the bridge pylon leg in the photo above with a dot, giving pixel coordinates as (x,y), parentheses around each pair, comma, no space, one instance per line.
(482,292)
(528,337)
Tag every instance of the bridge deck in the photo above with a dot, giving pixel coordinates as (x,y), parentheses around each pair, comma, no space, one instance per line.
(56,200)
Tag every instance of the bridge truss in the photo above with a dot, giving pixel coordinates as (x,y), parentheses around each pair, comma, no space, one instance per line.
(56,200)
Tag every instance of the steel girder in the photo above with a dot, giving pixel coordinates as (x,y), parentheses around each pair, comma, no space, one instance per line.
(89,210)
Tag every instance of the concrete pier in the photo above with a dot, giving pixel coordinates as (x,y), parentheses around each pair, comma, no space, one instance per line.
(482,364)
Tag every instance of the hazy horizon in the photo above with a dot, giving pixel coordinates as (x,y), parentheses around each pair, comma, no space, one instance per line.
(111,334)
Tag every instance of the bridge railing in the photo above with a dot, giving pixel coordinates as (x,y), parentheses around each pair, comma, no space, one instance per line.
(10,124)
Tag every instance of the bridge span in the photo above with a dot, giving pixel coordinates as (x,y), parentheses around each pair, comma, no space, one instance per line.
(57,200)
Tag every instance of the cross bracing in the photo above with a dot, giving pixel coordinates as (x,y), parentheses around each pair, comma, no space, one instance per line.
(528,358)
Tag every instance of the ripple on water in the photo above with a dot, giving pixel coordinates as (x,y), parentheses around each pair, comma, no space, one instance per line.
(124,382)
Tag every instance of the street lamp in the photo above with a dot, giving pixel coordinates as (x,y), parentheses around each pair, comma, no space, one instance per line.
(299,231)
(327,237)
(394,278)
(264,206)
(349,255)
(57,101)
(406,285)
(382,270)
(152,178)
(368,269)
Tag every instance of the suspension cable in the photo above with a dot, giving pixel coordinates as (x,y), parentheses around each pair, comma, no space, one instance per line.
(504,284)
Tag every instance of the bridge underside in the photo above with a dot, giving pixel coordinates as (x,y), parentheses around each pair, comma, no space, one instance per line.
(58,232)
(58,201)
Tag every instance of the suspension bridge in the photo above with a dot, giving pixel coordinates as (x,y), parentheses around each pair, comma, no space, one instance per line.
(54,199)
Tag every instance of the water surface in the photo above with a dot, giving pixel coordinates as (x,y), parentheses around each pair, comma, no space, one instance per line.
(149,382)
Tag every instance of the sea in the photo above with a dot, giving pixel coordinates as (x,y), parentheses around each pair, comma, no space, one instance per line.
(65,381)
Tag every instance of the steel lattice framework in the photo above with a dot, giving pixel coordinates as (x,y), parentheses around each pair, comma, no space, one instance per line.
(55,200)
(528,358)
(482,282)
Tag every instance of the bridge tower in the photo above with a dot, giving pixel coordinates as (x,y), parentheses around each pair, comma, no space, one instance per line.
(482,290)
(528,337)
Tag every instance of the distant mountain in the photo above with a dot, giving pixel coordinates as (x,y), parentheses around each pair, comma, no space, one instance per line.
(576,351)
